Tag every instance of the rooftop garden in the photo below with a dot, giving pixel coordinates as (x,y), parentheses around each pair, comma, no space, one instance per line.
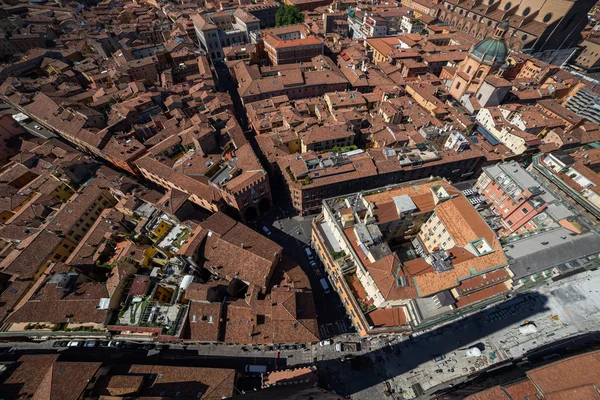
(359,294)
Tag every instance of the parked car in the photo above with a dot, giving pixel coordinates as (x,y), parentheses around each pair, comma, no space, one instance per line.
(60,343)
(269,348)
(318,273)
(308,253)
(266,231)
(90,343)
(103,343)
(326,342)
(313,264)
(338,347)
(324,285)
(256,369)
(161,347)
(114,343)
(37,127)
(74,343)
(439,357)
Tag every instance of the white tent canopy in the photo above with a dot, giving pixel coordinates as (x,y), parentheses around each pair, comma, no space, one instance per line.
(473,352)
(528,329)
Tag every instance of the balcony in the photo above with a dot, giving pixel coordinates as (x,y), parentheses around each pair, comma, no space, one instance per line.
(359,293)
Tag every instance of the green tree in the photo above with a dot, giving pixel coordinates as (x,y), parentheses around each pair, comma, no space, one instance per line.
(288,15)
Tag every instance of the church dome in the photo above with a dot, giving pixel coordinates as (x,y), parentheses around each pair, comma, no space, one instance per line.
(492,50)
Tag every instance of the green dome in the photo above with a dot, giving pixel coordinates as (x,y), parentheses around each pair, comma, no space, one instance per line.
(491,51)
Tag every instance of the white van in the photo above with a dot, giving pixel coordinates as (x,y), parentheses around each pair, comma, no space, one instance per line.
(308,253)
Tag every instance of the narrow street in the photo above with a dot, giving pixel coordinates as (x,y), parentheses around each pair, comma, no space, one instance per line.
(289,230)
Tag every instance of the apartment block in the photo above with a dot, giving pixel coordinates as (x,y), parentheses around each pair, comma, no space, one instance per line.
(291,44)
(543,235)
(302,80)
(409,256)
(224,28)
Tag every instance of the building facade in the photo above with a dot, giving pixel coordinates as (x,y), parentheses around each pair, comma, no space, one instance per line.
(224,28)
(533,25)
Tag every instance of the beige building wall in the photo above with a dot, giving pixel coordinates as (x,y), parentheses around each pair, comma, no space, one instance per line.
(435,236)
(590,56)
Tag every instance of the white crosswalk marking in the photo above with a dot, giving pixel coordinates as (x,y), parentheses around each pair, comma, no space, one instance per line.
(323,332)
(333,329)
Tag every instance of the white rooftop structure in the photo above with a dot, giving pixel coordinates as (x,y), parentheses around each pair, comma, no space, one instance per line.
(404,204)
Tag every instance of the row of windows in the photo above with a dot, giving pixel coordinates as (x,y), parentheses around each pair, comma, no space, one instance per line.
(261,191)
(57,257)
(507,7)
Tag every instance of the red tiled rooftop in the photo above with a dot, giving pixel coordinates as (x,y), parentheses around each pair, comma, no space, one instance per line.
(482,294)
(521,390)
(387,317)
(481,281)
(139,285)
(570,373)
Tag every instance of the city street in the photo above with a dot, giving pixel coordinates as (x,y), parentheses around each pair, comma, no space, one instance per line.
(293,232)
(30,126)
(564,313)
(289,230)
(37,130)
(424,364)
(163,164)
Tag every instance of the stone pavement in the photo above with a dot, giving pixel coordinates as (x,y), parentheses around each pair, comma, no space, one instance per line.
(559,310)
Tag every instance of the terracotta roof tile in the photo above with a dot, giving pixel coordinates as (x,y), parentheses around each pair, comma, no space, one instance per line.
(186,382)
(204,321)
(569,373)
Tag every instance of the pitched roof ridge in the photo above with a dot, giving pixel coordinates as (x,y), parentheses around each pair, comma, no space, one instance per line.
(307,329)
(232,371)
